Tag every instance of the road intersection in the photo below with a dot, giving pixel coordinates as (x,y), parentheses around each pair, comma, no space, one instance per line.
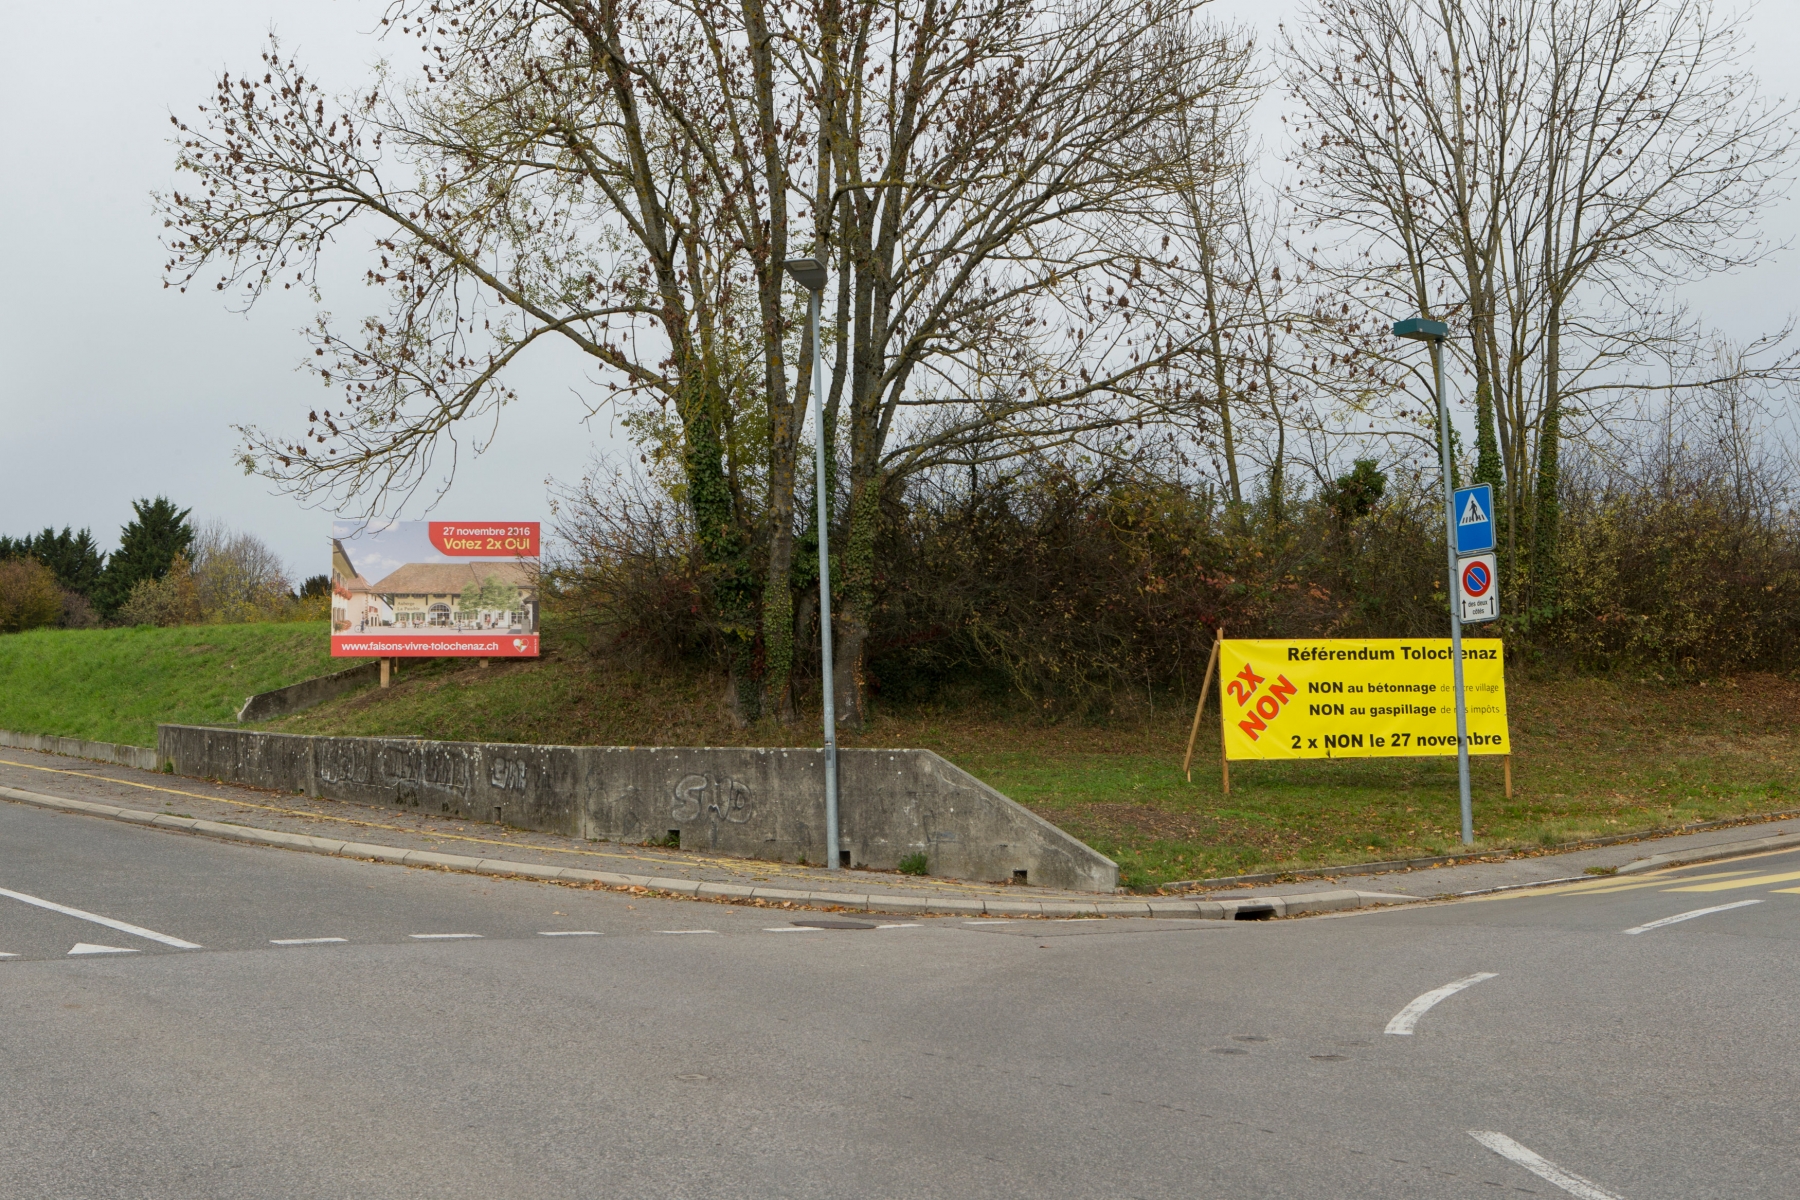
(328,1027)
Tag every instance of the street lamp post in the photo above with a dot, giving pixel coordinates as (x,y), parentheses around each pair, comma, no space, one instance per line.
(810,273)
(1423,329)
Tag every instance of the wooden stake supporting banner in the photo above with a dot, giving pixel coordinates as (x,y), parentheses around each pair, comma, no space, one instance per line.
(1506,765)
(1225,770)
(386,670)
(1187,763)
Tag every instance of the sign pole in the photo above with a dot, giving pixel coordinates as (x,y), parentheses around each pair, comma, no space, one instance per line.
(811,274)
(1454,595)
(1187,764)
(823,506)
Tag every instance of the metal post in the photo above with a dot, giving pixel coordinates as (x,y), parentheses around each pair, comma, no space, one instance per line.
(823,510)
(1456,658)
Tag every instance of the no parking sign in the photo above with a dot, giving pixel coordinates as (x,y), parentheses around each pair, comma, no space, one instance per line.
(1478,588)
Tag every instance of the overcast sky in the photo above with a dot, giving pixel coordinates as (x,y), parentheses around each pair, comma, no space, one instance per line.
(112,388)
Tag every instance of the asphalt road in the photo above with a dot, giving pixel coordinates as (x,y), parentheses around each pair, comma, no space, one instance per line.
(677,1049)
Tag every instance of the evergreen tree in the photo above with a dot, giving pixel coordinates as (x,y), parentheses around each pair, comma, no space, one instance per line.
(147,545)
(74,559)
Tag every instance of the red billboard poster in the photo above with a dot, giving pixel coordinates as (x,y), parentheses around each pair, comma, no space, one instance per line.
(428,589)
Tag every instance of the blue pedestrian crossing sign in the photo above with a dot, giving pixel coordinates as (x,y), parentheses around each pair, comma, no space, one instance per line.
(1473,508)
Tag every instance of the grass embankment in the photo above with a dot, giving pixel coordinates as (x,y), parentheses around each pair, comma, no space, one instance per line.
(1593,757)
(117,685)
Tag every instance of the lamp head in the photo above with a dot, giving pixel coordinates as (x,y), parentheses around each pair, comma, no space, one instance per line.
(809,273)
(1421,329)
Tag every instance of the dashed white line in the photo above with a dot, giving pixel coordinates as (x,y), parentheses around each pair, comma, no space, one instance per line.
(89,948)
(304,941)
(1688,916)
(1542,1167)
(1406,1018)
(442,937)
(568,933)
(8,956)
(121,926)
(903,925)
(794,929)
(714,931)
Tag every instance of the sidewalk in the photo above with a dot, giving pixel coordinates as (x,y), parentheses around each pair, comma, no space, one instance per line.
(1430,883)
(412,838)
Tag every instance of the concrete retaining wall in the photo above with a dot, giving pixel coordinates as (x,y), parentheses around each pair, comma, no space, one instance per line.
(266,706)
(130,756)
(757,803)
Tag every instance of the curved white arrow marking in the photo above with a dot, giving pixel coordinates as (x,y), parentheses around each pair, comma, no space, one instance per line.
(1406,1018)
(1688,916)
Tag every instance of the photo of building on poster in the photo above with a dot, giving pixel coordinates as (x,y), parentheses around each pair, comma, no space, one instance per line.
(404,589)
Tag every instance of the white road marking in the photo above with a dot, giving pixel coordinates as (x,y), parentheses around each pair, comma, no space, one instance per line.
(687,931)
(442,937)
(568,933)
(906,925)
(121,926)
(89,948)
(304,941)
(8,956)
(1688,916)
(1542,1167)
(795,929)
(1406,1018)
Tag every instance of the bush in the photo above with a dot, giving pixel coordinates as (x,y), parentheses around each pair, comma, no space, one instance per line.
(78,612)
(172,600)
(1086,588)
(630,577)
(238,578)
(1082,587)
(29,597)
(1681,569)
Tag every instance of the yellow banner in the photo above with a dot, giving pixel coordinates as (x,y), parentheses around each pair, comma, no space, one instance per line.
(1344,698)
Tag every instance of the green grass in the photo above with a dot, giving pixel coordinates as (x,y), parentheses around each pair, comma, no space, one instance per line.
(116,685)
(1593,757)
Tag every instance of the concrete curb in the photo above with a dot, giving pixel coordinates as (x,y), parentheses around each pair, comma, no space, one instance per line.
(1702,854)
(1397,866)
(1251,908)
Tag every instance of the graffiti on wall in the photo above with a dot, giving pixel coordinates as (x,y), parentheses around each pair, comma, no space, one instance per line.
(721,796)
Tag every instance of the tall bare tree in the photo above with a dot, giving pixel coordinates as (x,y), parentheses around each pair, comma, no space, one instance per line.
(608,176)
(1540,172)
(977,153)
(623,178)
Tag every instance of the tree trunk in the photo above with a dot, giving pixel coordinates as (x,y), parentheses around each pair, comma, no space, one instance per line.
(856,576)
(1547,511)
(722,544)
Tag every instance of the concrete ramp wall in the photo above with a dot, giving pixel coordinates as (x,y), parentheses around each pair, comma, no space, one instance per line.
(266,706)
(141,757)
(754,803)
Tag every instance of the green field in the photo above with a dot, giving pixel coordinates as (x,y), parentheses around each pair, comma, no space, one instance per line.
(116,685)
(1593,756)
